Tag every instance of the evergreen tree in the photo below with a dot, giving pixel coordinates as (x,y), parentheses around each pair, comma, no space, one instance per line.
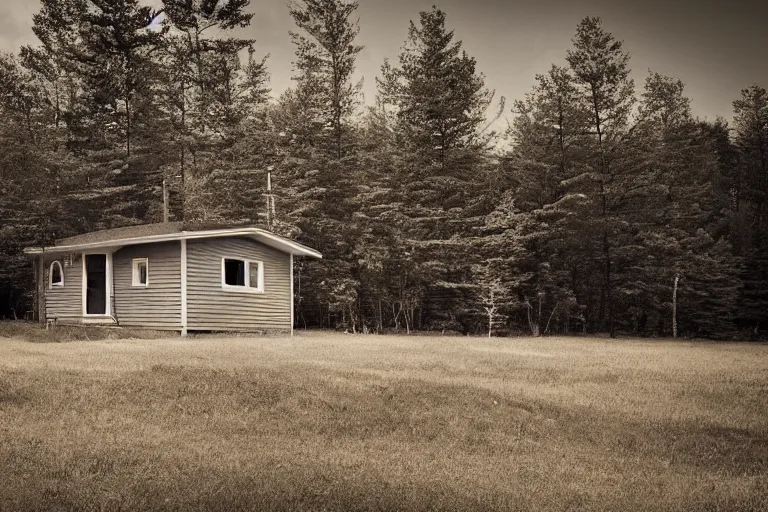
(325,63)
(57,27)
(208,96)
(33,180)
(601,69)
(751,123)
(751,226)
(544,227)
(439,100)
(321,164)
(115,58)
(677,216)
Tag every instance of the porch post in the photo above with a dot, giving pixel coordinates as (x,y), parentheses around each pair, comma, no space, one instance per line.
(183,286)
(40,288)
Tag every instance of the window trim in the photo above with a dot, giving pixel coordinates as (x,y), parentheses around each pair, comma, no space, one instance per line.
(260,288)
(247,287)
(59,284)
(135,272)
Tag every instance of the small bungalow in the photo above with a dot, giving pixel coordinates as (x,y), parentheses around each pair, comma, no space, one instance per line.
(168,277)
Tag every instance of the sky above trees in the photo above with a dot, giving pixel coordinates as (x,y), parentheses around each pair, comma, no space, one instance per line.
(715,47)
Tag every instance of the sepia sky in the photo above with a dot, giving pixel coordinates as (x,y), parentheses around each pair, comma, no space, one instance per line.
(717,47)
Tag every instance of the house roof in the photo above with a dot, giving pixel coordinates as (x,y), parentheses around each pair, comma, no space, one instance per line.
(107,235)
(167,232)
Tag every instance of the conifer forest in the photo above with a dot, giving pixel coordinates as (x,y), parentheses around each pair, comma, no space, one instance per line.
(594,204)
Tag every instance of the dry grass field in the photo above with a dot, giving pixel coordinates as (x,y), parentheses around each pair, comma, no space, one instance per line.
(340,422)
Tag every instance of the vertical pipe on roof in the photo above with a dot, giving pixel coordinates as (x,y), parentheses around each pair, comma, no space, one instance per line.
(165,202)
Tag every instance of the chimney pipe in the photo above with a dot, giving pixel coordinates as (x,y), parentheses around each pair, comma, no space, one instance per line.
(165,202)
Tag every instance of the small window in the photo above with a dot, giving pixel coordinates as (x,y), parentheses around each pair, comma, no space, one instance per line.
(56,275)
(243,275)
(140,272)
(234,272)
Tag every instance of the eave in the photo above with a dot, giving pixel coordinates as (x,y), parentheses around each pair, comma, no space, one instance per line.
(260,235)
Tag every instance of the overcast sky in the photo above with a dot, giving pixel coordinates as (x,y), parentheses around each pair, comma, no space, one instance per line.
(716,47)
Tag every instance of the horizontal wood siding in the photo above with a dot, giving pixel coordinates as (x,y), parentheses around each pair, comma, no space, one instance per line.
(157,306)
(65,304)
(211,308)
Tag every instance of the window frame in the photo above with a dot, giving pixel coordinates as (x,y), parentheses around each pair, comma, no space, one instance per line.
(247,287)
(136,275)
(59,284)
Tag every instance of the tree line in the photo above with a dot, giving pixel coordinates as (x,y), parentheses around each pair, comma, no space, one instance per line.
(599,206)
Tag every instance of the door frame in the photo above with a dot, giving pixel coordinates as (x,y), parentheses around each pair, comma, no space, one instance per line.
(108,285)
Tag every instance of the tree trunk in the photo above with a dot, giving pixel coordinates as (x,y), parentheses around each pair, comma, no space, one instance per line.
(674,308)
(538,316)
(533,325)
(605,293)
(379,321)
(490,323)
(183,152)
(57,116)
(407,323)
(127,126)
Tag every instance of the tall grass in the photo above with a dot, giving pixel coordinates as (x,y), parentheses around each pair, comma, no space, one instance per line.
(383,423)
(34,332)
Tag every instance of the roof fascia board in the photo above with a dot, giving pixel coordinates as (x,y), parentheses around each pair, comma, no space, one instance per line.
(277,242)
(299,249)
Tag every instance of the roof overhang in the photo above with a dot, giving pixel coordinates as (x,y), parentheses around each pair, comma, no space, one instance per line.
(275,241)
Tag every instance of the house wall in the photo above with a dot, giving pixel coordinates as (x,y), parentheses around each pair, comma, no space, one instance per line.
(64,304)
(209,307)
(158,306)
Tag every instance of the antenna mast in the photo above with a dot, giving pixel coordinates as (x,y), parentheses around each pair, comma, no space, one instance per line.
(270,200)
(165,202)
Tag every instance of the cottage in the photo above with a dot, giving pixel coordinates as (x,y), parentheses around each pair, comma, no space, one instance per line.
(168,277)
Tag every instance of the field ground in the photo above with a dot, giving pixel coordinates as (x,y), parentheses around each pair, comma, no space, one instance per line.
(342,422)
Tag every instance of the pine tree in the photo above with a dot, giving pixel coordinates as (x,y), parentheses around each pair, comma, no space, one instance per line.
(439,100)
(115,58)
(204,60)
(600,66)
(751,123)
(320,163)
(676,213)
(751,227)
(325,63)
(208,96)
(32,180)
(542,230)
(57,27)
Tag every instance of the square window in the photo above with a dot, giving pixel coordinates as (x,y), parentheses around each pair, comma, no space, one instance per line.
(242,275)
(234,272)
(140,272)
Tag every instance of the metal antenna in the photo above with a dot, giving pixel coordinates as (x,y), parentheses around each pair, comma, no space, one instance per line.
(165,202)
(270,201)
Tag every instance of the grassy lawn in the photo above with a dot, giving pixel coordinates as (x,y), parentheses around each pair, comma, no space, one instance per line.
(342,422)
